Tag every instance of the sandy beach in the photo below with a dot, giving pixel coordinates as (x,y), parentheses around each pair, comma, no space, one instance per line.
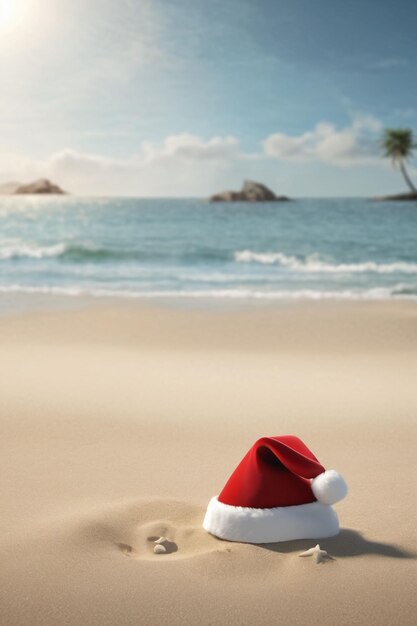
(118,423)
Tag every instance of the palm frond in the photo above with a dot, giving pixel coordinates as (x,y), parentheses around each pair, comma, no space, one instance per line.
(398,143)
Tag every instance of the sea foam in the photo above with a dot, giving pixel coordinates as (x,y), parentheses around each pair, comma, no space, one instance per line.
(11,250)
(313,263)
(400,291)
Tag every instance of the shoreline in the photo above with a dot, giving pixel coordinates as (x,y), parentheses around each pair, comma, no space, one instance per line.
(20,302)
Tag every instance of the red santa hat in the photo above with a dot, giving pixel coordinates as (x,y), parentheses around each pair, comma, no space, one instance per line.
(278,492)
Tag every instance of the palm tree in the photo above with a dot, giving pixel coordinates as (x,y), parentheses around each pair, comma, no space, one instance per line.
(398,144)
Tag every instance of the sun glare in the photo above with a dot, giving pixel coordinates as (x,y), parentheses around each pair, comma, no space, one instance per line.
(10,12)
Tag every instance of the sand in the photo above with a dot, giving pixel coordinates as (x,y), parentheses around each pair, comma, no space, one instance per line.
(118,423)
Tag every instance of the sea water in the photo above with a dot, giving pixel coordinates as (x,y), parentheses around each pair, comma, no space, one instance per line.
(189,248)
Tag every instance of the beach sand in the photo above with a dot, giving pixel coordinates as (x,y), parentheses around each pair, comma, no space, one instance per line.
(118,423)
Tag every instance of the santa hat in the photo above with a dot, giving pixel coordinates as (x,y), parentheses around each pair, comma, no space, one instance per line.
(278,492)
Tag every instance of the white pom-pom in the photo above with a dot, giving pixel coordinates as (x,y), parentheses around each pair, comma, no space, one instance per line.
(329,487)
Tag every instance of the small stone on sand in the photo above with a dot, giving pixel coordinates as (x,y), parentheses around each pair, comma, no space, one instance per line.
(159,549)
(160,540)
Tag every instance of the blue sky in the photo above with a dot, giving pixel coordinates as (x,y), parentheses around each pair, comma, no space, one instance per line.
(185,97)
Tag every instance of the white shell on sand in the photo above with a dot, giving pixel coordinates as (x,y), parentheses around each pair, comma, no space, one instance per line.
(319,556)
(159,549)
(160,540)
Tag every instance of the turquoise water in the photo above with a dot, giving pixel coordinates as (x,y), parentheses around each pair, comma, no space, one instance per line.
(139,248)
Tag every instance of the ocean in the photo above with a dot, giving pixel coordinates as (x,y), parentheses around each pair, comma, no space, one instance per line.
(345,249)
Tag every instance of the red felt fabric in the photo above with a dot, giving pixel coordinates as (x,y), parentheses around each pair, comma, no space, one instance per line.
(275,472)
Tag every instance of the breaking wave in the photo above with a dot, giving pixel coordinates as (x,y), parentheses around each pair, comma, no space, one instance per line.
(29,251)
(87,252)
(313,263)
(90,253)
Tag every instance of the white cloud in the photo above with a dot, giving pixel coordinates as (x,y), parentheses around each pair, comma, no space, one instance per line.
(181,164)
(354,145)
(188,147)
(186,164)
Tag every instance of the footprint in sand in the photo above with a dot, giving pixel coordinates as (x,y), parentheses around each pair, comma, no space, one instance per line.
(152,530)
(125,548)
(163,545)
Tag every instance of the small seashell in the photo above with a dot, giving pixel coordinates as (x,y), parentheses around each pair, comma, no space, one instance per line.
(159,549)
(319,555)
(160,540)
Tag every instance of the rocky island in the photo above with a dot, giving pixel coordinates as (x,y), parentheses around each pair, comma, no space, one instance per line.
(41,186)
(250,192)
(399,197)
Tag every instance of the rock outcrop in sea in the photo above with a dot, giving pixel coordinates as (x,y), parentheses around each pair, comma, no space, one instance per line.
(399,197)
(250,192)
(41,186)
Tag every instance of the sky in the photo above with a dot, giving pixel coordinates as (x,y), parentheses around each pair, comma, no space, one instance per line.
(189,97)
